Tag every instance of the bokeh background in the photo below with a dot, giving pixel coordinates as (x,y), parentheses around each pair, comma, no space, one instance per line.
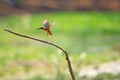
(88,29)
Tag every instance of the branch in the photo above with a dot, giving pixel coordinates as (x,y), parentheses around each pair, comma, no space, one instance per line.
(65,52)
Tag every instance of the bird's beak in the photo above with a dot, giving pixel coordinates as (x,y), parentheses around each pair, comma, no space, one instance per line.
(39,28)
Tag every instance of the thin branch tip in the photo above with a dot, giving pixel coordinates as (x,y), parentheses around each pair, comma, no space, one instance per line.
(5,29)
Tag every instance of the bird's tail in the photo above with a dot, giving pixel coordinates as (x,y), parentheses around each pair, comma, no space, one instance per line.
(49,32)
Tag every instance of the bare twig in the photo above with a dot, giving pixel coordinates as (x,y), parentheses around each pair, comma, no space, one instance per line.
(65,52)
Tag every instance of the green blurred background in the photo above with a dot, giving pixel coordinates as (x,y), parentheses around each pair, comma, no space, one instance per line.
(90,35)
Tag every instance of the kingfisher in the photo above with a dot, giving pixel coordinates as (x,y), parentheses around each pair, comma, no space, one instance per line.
(46,27)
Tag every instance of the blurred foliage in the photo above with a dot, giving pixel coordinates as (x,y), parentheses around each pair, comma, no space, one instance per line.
(104,76)
(89,37)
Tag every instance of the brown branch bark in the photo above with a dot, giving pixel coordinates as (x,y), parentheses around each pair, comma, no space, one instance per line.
(65,52)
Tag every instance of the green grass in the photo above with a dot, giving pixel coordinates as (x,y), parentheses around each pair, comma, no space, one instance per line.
(89,37)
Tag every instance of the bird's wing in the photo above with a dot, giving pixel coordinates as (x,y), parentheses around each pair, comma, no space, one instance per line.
(46,23)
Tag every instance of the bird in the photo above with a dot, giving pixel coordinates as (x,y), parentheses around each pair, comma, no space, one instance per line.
(46,27)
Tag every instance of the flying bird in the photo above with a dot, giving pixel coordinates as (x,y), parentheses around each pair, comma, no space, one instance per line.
(46,27)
